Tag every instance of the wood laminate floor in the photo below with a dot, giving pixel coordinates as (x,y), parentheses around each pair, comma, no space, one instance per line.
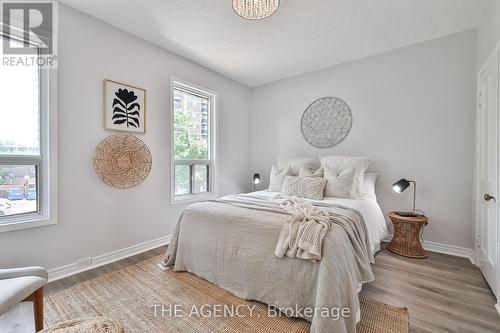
(443,293)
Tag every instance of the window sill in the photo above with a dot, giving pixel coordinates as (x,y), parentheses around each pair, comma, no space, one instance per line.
(190,198)
(25,222)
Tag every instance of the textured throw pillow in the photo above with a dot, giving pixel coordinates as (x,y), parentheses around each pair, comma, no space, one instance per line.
(340,185)
(340,163)
(305,187)
(297,163)
(276,178)
(370,179)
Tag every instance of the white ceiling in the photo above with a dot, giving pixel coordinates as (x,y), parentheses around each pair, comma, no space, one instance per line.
(304,35)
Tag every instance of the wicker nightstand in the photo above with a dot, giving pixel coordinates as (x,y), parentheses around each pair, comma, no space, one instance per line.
(406,240)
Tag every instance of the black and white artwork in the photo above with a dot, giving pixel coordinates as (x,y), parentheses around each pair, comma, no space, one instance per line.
(124,108)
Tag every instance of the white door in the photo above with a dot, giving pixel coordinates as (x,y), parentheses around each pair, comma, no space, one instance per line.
(487,170)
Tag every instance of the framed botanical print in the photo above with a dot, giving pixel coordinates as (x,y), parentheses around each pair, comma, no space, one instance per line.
(124,107)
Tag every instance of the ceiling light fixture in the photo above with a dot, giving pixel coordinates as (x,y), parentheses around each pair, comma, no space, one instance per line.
(255,9)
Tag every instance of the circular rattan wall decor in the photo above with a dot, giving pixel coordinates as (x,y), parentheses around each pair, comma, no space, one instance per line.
(122,161)
(326,122)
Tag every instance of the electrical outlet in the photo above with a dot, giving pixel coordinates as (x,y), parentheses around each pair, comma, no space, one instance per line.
(84,262)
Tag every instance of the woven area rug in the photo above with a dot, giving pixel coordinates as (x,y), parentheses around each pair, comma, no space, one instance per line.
(143,298)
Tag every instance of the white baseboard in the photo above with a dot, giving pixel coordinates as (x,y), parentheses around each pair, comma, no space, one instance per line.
(452,250)
(73,268)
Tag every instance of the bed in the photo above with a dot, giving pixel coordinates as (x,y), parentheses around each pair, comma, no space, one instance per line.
(231,242)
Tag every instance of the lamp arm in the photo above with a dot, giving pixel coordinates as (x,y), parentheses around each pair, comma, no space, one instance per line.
(414,193)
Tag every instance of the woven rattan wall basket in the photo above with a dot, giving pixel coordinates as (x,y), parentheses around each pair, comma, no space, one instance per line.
(122,161)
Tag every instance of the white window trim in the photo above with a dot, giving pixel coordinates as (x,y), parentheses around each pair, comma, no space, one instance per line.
(47,187)
(214,175)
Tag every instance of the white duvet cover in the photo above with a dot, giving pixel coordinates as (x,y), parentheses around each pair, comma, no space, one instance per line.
(369,209)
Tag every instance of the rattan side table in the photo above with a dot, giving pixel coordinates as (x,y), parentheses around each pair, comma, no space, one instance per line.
(406,240)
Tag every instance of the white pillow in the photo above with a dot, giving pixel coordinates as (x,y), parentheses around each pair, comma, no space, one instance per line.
(305,187)
(297,163)
(276,178)
(340,184)
(306,172)
(340,163)
(370,179)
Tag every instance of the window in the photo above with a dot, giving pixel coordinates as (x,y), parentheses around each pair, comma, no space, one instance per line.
(193,136)
(24,140)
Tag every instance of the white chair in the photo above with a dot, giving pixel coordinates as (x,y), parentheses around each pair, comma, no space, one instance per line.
(23,285)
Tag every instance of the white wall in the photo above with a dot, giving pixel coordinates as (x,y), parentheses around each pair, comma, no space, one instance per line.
(413,111)
(488,31)
(93,218)
(412,108)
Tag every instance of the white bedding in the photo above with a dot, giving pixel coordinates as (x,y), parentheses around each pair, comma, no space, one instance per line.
(232,241)
(369,209)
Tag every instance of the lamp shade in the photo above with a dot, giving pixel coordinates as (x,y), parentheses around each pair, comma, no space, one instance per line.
(401,185)
(256,178)
(255,9)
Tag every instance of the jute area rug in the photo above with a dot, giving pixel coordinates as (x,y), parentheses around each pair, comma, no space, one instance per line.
(143,298)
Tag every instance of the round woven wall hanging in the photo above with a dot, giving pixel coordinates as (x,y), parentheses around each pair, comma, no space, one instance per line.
(326,122)
(122,161)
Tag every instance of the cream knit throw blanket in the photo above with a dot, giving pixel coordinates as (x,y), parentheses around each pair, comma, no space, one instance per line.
(302,235)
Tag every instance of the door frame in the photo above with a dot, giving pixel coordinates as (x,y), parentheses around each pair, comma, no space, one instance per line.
(495,51)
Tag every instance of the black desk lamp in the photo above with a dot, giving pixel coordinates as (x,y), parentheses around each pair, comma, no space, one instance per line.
(256,180)
(399,187)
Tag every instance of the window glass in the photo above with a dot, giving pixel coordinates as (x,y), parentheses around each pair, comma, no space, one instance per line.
(182,179)
(192,160)
(200,178)
(19,110)
(18,189)
(20,150)
(191,126)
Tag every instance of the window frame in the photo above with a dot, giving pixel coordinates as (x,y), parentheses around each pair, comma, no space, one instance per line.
(45,162)
(188,87)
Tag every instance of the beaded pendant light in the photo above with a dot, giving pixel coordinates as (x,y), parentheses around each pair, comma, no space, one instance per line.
(255,9)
